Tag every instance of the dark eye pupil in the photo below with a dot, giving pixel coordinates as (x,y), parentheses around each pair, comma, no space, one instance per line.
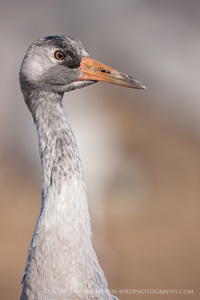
(59,55)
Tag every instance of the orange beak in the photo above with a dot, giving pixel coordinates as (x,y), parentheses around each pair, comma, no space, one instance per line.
(94,70)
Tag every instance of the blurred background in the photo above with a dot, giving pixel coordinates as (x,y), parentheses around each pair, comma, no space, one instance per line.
(140,149)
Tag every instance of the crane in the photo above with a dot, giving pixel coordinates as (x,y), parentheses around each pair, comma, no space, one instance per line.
(61,262)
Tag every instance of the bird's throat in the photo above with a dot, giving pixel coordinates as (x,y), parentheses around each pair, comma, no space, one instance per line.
(64,198)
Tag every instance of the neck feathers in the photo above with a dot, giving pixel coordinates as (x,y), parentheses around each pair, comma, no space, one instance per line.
(61,255)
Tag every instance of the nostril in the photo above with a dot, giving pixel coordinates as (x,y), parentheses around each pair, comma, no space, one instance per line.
(105,71)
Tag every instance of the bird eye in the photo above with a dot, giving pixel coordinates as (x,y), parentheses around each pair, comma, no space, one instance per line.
(59,55)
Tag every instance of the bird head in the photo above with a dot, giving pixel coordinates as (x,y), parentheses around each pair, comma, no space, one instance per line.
(60,63)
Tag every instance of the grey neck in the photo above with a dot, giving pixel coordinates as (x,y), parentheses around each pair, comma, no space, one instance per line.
(59,153)
(61,243)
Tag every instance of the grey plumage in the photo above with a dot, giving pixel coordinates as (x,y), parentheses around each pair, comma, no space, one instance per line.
(61,263)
